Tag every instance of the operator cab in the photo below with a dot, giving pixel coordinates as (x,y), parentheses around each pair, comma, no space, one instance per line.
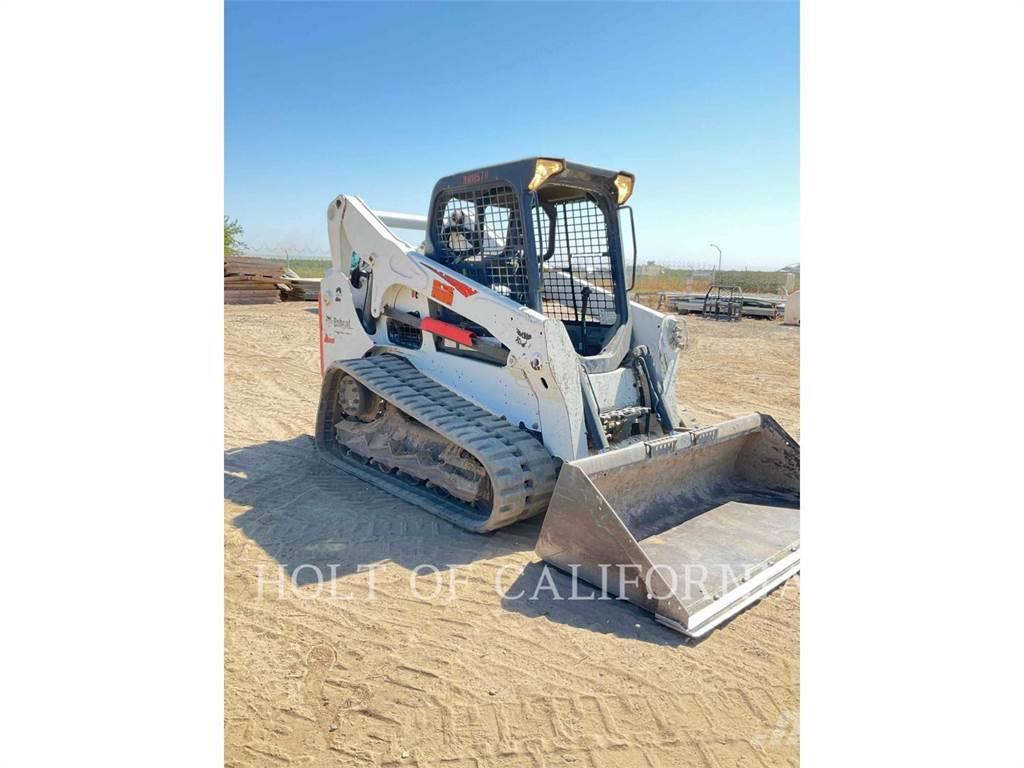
(543,232)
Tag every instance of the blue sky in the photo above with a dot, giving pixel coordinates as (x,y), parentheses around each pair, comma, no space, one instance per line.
(699,100)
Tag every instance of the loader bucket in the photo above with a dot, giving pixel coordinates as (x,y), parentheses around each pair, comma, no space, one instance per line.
(692,527)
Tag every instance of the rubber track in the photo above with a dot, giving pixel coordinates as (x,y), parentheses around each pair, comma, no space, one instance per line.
(521,470)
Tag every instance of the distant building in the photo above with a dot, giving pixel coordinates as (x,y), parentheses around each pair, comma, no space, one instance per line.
(650,269)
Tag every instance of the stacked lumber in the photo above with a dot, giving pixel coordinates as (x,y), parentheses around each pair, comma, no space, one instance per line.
(249,280)
(254,281)
(303,289)
(251,293)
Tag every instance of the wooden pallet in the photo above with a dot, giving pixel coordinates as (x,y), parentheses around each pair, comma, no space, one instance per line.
(264,281)
(251,293)
(303,289)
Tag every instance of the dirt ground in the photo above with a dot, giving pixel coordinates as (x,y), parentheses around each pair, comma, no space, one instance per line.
(327,664)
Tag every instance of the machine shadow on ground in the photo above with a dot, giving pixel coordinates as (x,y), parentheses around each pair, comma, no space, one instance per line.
(543,591)
(305,513)
(316,521)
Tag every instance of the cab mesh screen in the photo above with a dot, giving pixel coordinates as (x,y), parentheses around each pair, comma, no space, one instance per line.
(481,235)
(578,273)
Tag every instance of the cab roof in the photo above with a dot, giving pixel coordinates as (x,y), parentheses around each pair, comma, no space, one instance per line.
(519,173)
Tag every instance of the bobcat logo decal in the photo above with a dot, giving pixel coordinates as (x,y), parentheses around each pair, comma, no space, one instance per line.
(522,337)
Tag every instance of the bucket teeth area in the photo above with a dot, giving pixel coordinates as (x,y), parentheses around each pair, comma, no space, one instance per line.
(692,527)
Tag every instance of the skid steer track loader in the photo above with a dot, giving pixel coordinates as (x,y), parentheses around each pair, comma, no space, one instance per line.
(500,371)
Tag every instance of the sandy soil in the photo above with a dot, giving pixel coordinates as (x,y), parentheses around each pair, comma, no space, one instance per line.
(461,675)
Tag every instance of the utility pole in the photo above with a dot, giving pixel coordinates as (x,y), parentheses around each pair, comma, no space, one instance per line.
(719,262)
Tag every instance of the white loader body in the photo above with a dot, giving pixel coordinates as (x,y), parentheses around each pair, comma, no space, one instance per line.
(546,390)
(540,385)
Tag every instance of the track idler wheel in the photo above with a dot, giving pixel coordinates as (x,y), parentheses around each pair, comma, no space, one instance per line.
(357,402)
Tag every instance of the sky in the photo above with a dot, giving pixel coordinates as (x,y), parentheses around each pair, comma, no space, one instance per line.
(699,100)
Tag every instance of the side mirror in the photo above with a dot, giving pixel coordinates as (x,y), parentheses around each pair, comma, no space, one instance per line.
(632,232)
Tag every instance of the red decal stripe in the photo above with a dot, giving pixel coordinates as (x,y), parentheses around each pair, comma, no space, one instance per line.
(458,285)
(449,331)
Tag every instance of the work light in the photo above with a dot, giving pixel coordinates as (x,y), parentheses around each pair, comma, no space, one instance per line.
(624,186)
(544,170)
